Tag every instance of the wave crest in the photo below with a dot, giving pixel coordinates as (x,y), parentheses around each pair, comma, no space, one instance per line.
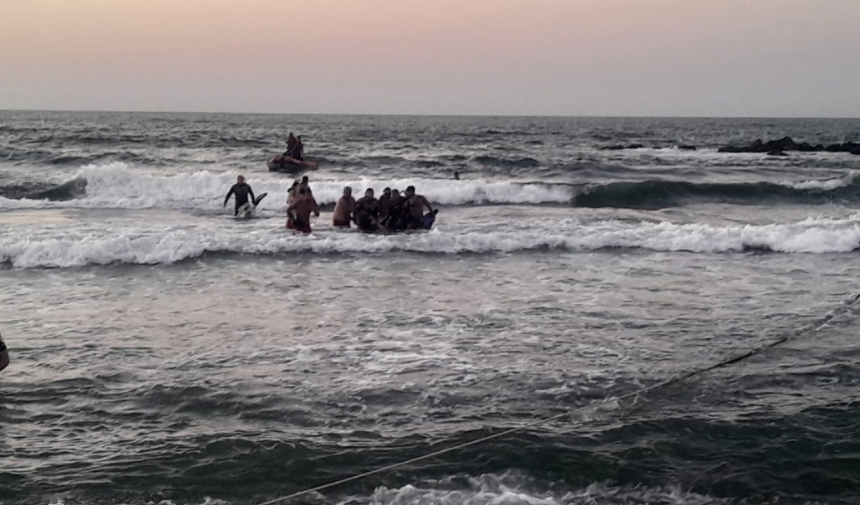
(116,185)
(59,247)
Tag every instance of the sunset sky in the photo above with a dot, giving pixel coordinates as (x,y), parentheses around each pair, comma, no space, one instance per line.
(522,57)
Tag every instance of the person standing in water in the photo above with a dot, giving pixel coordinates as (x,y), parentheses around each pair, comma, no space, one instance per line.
(367,212)
(416,205)
(398,214)
(300,211)
(343,211)
(306,184)
(242,191)
(384,203)
(292,196)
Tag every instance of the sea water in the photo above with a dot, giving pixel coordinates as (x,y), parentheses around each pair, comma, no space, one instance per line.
(164,352)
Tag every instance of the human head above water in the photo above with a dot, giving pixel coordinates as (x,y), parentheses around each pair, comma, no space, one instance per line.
(240,179)
(305,179)
(410,190)
(347,190)
(368,192)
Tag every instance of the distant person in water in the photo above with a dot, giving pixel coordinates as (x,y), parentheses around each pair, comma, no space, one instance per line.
(456,176)
(301,210)
(4,354)
(242,191)
(343,210)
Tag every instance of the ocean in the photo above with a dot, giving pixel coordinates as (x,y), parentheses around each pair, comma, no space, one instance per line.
(552,341)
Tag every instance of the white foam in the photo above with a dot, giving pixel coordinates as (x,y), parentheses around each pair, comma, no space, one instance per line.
(513,489)
(827,184)
(99,243)
(116,185)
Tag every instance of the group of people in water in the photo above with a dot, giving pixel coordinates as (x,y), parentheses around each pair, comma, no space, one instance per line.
(392,212)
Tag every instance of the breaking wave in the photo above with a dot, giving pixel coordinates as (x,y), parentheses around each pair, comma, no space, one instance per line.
(102,244)
(116,185)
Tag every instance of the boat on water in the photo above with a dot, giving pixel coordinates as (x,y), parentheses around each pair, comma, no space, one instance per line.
(289,165)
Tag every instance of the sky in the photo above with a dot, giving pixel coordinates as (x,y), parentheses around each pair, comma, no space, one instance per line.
(725,58)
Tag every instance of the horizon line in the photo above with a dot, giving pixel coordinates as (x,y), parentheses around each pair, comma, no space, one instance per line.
(382,114)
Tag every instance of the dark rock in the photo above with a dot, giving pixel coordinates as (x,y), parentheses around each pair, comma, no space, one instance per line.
(772,147)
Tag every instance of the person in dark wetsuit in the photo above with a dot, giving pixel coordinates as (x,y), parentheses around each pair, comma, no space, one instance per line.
(367,212)
(241,190)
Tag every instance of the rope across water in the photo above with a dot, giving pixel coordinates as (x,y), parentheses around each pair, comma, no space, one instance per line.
(678,377)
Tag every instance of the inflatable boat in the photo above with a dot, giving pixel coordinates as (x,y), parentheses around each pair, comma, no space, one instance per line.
(289,165)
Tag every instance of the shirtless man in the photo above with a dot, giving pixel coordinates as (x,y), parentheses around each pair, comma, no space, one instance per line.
(343,211)
(416,207)
(367,212)
(300,211)
(4,355)
(292,196)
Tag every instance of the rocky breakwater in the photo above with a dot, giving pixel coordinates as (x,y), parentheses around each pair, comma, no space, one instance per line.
(781,146)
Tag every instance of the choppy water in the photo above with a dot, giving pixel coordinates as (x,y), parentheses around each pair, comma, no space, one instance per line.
(162,351)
